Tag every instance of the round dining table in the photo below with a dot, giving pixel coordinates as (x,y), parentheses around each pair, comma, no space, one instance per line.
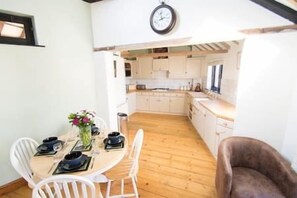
(42,166)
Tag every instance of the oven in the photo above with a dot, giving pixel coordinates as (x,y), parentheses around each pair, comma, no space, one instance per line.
(128,69)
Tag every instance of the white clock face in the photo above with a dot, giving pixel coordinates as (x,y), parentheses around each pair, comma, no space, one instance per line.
(162,18)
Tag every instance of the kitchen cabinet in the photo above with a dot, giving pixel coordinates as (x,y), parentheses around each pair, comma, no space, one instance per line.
(201,121)
(224,129)
(177,103)
(142,102)
(177,67)
(135,69)
(195,117)
(159,103)
(210,121)
(145,69)
(160,64)
(193,67)
(131,99)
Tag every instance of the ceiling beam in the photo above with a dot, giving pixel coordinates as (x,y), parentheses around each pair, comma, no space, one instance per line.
(279,9)
(92,1)
(181,53)
(270,29)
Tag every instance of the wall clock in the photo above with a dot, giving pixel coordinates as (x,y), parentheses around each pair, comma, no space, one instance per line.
(163,19)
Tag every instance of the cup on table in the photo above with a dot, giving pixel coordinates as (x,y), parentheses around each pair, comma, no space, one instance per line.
(59,155)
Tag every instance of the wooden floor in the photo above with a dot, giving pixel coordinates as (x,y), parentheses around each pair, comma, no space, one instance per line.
(174,161)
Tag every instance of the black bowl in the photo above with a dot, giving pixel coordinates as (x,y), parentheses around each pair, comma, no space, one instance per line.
(49,142)
(73,158)
(114,137)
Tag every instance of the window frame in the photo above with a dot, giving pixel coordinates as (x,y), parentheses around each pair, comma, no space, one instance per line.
(28,28)
(213,79)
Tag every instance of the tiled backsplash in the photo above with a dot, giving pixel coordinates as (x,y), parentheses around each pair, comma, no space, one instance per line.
(163,83)
(228,90)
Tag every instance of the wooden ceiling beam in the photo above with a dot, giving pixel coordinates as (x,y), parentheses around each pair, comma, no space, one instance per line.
(226,46)
(217,46)
(181,53)
(196,46)
(278,9)
(210,46)
(270,29)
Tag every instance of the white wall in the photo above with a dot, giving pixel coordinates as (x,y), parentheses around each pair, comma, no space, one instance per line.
(40,86)
(127,21)
(289,147)
(265,91)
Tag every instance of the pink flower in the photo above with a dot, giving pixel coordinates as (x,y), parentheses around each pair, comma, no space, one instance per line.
(75,121)
(86,120)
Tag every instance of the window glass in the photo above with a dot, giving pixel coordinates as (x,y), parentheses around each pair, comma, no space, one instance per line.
(16,30)
(214,77)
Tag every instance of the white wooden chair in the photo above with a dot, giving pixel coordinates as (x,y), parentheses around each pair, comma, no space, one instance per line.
(127,168)
(20,154)
(64,186)
(100,123)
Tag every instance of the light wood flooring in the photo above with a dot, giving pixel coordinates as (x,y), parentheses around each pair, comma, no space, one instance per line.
(174,161)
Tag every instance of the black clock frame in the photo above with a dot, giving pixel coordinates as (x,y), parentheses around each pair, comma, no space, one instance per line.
(172,23)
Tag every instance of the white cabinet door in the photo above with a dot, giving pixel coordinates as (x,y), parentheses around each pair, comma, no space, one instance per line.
(193,67)
(145,65)
(135,69)
(201,122)
(164,104)
(131,103)
(142,103)
(210,131)
(177,66)
(154,103)
(160,64)
(120,80)
(177,105)
(195,118)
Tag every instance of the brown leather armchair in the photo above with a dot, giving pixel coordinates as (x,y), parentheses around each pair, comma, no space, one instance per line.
(249,168)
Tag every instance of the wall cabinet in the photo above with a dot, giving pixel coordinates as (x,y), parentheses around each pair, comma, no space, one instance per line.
(182,67)
(160,64)
(193,67)
(144,67)
(177,67)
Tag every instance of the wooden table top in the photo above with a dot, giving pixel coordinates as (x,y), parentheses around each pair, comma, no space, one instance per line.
(104,161)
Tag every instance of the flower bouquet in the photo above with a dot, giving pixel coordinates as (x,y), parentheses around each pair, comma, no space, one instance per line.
(83,120)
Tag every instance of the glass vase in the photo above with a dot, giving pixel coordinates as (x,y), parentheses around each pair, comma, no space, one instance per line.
(85,135)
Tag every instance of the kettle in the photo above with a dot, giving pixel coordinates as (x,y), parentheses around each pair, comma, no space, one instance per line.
(198,87)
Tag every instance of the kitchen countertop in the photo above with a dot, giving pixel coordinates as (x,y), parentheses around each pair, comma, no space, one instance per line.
(220,108)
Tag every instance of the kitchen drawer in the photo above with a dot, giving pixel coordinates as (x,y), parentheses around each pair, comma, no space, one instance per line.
(225,123)
(221,129)
(155,94)
(177,95)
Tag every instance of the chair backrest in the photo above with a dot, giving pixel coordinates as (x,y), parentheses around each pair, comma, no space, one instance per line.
(135,151)
(68,186)
(100,123)
(20,154)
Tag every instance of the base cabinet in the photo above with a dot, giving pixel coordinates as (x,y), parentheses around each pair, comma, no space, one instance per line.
(131,98)
(211,128)
(170,103)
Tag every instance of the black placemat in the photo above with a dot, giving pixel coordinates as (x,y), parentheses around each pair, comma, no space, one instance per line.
(45,153)
(84,167)
(79,147)
(108,147)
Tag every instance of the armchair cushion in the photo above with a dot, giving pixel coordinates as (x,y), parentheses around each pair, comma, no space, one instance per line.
(247,183)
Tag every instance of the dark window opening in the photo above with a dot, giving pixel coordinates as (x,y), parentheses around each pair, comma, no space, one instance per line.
(214,78)
(16,30)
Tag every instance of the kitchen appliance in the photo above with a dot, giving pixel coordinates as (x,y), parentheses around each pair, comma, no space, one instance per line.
(141,87)
(198,87)
(128,69)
